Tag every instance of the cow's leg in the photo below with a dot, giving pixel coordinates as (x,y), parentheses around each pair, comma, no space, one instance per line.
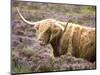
(69,50)
(70,46)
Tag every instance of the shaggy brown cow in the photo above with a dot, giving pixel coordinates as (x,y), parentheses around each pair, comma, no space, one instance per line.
(79,41)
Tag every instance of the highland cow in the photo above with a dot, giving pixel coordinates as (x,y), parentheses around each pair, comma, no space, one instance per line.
(73,39)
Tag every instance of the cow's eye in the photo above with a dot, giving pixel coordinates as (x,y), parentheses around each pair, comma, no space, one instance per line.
(55,31)
(48,31)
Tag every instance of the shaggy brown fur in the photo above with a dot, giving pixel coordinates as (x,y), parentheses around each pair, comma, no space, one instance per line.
(77,40)
(80,41)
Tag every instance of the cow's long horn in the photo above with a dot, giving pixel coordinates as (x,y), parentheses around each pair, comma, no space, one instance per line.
(26,21)
(66,26)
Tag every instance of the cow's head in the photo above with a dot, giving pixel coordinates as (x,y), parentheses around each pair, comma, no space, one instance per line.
(47,31)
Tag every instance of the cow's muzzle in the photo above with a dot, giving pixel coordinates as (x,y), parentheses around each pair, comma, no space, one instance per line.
(41,42)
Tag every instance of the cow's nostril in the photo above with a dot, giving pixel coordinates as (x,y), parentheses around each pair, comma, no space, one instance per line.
(40,39)
(41,43)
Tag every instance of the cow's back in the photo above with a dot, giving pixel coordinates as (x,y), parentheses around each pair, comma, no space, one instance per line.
(80,41)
